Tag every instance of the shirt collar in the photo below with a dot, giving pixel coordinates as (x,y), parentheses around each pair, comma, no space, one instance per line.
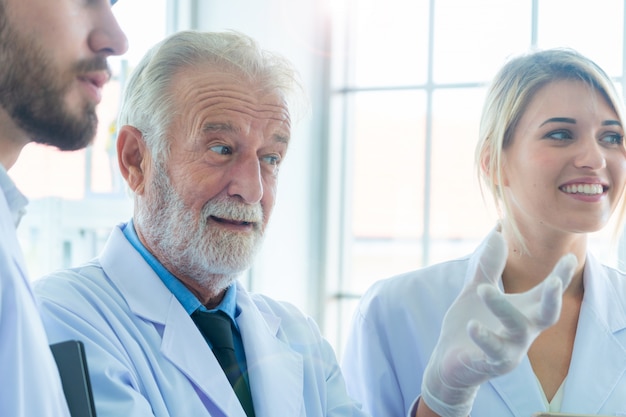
(186,298)
(15,199)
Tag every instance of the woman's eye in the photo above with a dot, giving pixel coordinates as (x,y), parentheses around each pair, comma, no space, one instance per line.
(559,135)
(613,139)
(221,149)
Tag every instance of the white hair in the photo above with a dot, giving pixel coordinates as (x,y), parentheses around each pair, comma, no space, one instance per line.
(147,102)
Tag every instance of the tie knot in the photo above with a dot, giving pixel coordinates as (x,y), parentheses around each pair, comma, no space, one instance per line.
(216,327)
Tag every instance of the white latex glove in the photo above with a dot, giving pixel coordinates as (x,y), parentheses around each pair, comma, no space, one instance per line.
(486,333)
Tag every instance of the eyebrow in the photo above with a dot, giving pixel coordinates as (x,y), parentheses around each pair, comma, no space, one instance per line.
(227,127)
(217,127)
(573,121)
(559,120)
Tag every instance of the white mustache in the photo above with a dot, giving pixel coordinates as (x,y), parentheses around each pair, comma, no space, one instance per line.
(231,210)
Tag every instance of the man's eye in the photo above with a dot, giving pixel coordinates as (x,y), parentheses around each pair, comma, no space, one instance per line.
(272,159)
(221,149)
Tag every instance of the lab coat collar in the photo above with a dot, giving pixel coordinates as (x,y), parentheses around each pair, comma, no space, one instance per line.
(16,201)
(181,343)
(599,357)
(606,302)
(276,372)
(132,275)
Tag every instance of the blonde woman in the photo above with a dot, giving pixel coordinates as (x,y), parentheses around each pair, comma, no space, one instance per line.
(489,334)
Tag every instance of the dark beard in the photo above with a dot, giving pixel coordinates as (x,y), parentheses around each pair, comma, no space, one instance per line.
(32,91)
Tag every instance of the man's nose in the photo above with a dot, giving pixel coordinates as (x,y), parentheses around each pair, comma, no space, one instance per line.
(107,37)
(246,181)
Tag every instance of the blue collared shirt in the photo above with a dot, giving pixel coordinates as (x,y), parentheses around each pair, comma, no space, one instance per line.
(186,298)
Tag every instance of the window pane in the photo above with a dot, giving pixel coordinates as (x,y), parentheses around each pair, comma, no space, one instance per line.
(388,183)
(473,38)
(388,163)
(459,218)
(594,29)
(144,22)
(387,42)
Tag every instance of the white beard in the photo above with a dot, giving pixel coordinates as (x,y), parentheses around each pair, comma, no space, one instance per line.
(211,256)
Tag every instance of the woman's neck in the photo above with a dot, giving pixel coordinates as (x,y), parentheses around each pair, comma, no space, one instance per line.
(529,266)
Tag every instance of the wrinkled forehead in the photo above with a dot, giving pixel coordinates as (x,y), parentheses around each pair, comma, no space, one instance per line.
(202,98)
(221,89)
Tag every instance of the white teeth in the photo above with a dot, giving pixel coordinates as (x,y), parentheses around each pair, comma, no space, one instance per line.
(590,189)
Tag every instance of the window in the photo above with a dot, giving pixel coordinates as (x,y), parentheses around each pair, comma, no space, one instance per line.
(408,82)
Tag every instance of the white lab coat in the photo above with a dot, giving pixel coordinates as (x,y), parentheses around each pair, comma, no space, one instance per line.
(31,386)
(147,358)
(397,324)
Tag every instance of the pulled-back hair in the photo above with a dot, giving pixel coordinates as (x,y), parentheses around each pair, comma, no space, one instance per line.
(512,89)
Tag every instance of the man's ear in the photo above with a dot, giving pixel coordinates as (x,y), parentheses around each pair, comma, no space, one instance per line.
(133,157)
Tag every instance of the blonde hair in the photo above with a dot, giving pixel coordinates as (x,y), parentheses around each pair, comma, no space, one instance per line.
(512,89)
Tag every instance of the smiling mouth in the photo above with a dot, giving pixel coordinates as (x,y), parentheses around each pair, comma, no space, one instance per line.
(585,189)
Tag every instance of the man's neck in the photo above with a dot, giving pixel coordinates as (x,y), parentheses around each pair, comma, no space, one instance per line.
(12,140)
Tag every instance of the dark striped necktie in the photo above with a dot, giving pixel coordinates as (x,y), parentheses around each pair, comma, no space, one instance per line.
(217,330)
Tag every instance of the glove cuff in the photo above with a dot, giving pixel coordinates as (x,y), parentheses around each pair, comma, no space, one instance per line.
(443,399)
(444,409)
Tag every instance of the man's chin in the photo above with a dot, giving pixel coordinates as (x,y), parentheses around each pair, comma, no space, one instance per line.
(66,134)
(64,145)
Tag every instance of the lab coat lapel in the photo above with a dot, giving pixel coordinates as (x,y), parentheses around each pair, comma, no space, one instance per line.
(185,347)
(599,356)
(519,389)
(276,372)
(181,342)
(598,361)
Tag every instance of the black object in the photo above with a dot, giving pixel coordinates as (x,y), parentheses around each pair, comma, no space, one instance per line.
(72,364)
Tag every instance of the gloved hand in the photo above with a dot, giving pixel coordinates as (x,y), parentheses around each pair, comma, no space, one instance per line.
(486,333)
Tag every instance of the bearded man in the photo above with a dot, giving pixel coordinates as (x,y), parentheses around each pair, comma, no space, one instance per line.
(205,125)
(53,58)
